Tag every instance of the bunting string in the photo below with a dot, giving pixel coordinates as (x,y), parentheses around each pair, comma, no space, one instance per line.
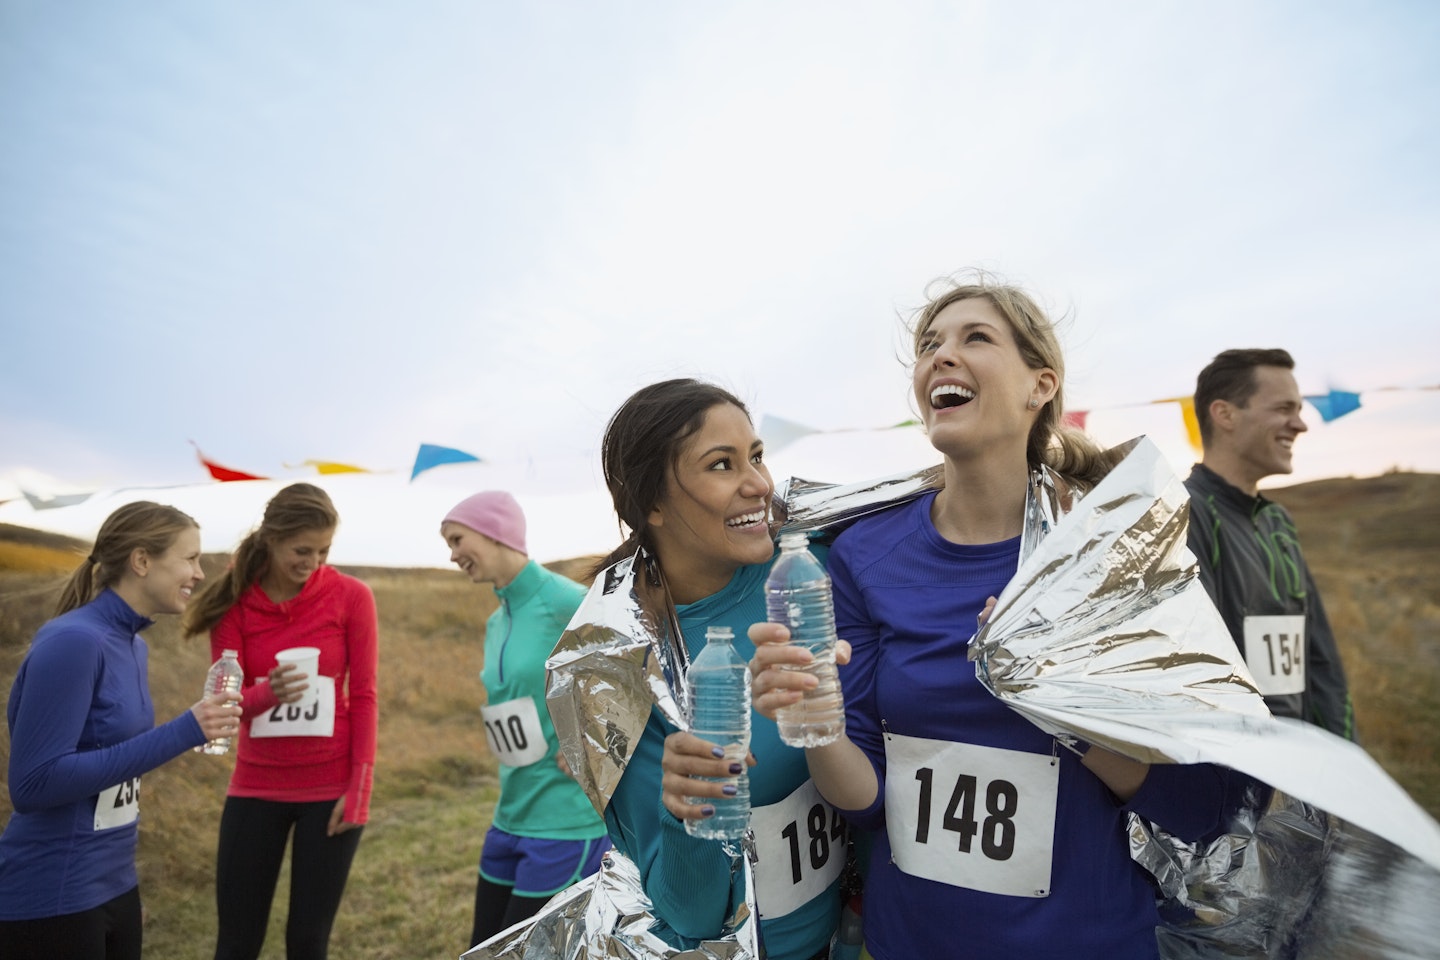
(777,432)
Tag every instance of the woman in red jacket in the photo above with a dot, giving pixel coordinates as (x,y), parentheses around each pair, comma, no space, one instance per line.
(302,765)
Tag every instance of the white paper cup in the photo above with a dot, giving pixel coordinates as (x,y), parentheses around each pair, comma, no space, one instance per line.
(307,661)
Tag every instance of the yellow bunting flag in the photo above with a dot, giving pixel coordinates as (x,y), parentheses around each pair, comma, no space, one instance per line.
(326,467)
(1192,424)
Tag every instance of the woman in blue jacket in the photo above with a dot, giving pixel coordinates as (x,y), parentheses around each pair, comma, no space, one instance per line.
(82,732)
(688,478)
(990,840)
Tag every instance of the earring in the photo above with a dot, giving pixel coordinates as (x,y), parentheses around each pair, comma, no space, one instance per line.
(1034,404)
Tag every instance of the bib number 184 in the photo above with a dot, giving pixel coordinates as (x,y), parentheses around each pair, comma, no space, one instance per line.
(824,837)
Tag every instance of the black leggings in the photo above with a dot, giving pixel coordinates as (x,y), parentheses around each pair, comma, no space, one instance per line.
(252,845)
(497,908)
(110,931)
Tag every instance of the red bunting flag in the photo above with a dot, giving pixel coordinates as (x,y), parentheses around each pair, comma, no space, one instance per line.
(223,474)
(1075,419)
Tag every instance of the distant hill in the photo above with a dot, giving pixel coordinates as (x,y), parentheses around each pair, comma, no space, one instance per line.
(1371,543)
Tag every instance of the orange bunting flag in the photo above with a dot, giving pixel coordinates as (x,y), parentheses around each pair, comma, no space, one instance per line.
(223,474)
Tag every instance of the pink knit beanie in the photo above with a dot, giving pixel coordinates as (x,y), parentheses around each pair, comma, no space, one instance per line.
(493,513)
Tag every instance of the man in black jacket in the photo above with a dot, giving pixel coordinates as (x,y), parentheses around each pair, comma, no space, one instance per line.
(1248,406)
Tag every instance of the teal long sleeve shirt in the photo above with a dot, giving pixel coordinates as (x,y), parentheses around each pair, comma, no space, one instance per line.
(539,799)
(693,884)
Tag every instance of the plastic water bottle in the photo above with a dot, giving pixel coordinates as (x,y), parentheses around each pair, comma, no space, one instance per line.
(797,594)
(849,939)
(719,682)
(225,676)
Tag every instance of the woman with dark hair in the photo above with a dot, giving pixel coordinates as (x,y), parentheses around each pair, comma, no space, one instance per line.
(82,733)
(303,769)
(687,475)
(990,840)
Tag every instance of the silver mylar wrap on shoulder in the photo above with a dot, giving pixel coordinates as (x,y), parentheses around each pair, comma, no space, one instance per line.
(813,505)
(614,662)
(1105,634)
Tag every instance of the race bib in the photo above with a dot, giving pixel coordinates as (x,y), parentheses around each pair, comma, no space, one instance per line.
(1275,653)
(118,805)
(799,848)
(977,817)
(514,732)
(316,719)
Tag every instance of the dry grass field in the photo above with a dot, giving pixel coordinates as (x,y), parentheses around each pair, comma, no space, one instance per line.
(1371,543)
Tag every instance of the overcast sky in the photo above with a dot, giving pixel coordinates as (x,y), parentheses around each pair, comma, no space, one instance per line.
(299,229)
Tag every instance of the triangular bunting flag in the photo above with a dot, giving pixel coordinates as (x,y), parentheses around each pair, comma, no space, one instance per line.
(325,467)
(1192,425)
(430,456)
(1335,404)
(223,474)
(778,432)
(38,502)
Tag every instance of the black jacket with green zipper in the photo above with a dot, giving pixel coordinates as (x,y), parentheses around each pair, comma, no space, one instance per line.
(1251,565)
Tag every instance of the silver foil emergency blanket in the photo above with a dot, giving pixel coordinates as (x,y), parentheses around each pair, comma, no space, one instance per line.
(606,915)
(1104,635)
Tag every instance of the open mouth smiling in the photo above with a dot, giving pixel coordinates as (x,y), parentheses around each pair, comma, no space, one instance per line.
(950,395)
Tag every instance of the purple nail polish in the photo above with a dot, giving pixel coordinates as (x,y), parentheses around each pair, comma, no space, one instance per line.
(729,789)
(717,752)
(736,768)
(707,811)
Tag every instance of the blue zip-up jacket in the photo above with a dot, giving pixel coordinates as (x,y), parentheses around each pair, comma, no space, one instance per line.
(81,720)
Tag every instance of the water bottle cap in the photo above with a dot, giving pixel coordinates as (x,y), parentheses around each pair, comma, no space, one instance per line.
(230,653)
(794,540)
(715,632)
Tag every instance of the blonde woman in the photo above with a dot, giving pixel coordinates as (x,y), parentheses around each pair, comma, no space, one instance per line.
(981,820)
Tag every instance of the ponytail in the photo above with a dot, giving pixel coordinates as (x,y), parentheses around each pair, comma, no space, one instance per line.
(79,589)
(220,594)
(1075,456)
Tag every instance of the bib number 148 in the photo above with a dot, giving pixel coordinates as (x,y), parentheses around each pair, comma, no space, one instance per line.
(996,830)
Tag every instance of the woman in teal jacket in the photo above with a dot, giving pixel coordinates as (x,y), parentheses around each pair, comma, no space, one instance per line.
(545,835)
